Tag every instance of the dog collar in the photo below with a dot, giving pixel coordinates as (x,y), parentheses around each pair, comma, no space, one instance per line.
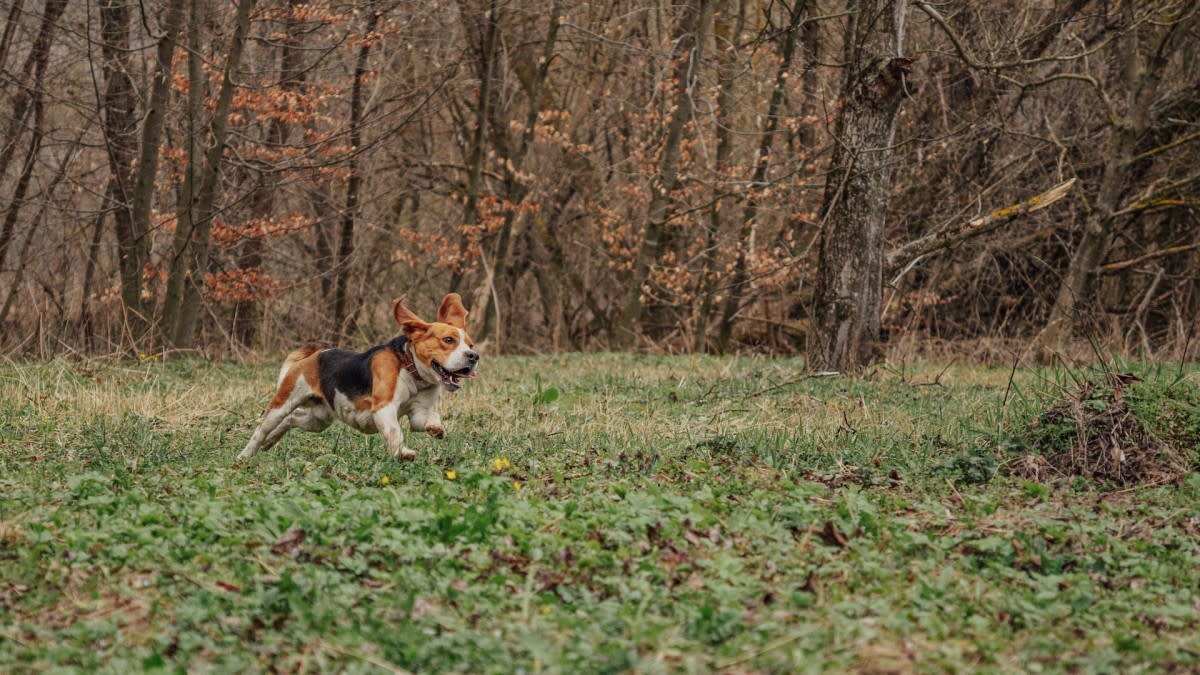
(409,361)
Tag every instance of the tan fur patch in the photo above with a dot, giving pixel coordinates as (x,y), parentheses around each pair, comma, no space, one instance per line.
(385,368)
(303,361)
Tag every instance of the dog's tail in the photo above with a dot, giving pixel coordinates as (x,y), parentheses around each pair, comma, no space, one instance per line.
(301,354)
(296,356)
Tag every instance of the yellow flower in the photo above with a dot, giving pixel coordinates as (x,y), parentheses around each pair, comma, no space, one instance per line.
(384,480)
(451,474)
(545,609)
(516,485)
(499,464)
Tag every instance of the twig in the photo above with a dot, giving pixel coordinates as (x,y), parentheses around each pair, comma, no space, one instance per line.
(1163,148)
(377,662)
(1139,316)
(937,381)
(753,655)
(265,566)
(1123,264)
(783,384)
(1011,375)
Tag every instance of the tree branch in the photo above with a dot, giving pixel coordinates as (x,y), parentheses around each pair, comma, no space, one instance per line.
(1163,148)
(899,257)
(1124,264)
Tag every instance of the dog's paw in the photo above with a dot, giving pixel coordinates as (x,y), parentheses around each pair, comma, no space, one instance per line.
(435,430)
(406,454)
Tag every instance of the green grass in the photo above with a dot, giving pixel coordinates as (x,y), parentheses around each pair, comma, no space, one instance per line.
(651,514)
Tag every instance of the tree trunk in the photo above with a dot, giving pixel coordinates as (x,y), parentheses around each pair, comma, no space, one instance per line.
(120,127)
(195,244)
(248,313)
(354,184)
(32,70)
(737,287)
(37,222)
(132,194)
(727,27)
(691,45)
(152,129)
(185,209)
(515,190)
(10,27)
(844,331)
(17,200)
(482,29)
(86,325)
(1140,74)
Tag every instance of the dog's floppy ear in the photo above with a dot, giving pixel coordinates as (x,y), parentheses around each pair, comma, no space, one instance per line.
(452,311)
(408,321)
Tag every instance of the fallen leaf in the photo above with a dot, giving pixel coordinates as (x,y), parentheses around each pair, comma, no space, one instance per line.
(832,536)
(290,542)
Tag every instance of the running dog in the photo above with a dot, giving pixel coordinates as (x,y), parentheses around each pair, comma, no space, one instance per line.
(370,391)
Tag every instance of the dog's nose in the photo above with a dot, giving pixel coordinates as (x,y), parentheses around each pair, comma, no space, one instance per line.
(473,357)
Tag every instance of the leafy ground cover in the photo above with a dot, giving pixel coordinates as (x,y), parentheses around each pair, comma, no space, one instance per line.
(598,513)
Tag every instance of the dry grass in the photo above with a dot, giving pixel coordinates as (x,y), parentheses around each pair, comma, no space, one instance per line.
(100,389)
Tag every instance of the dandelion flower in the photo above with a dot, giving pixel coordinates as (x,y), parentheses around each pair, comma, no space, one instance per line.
(384,480)
(500,464)
(451,474)
(516,485)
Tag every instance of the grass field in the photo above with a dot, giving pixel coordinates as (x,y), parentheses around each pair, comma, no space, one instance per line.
(584,514)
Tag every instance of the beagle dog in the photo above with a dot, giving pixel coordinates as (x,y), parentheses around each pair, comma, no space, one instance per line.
(370,390)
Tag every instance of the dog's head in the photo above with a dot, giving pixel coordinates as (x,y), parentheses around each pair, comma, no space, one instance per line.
(442,349)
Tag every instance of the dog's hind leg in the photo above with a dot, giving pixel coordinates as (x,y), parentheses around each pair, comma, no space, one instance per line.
(273,427)
(293,392)
(311,415)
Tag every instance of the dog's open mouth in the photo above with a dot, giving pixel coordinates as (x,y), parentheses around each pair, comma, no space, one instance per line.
(452,379)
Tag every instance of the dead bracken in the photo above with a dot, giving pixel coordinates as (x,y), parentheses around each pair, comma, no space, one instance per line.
(1095,433)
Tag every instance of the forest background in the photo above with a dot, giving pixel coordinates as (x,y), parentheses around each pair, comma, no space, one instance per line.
(840,178)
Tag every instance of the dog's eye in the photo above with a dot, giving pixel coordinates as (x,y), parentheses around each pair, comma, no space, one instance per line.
(448,340)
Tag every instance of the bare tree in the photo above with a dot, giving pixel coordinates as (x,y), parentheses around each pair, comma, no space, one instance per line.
(1146,44)
(849,288)
(191,251)
(263,199)
(31,95)
(533,74)
(120,128)
(482,27)
(354,183)
(736,290)
(603,174)
(693,35)
(728,24)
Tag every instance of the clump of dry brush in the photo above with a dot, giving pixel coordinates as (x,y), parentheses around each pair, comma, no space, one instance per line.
(1115,427)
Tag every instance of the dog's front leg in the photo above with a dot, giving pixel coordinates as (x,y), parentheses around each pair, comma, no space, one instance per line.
(388,422)
(424,415)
